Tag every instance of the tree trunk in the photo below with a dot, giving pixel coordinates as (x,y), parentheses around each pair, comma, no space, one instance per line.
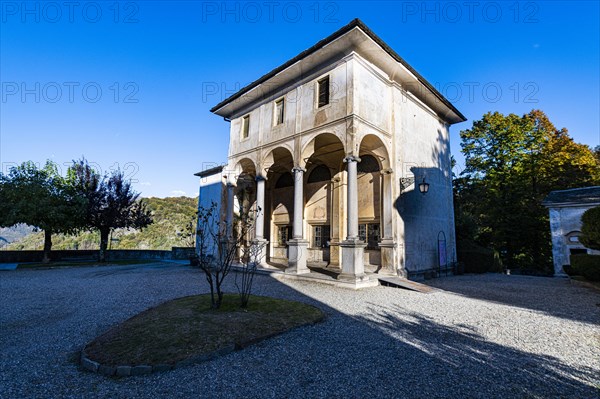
(103,244)
(47,245)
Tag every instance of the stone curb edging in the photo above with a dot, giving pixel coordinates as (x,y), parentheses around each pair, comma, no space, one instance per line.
(126,371)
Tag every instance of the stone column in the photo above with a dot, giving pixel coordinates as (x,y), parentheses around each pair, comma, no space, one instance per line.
(260,207)
(334,243)
(387,244)
(229,213)
(259,242)
(352,208)
(298,201)
(353,269)
(298,246)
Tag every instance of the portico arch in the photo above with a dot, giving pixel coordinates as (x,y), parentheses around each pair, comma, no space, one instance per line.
(324,211)
(324,144)
(376,202)
(279,193)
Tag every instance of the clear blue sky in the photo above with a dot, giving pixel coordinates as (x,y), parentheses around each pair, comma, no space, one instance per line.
(130,84)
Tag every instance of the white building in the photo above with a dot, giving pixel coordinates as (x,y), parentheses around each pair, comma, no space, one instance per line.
(566,208)
(333,145)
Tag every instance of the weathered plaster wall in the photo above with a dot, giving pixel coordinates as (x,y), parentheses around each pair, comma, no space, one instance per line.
(372,97)
(422,149)
(212,190)
(564,220)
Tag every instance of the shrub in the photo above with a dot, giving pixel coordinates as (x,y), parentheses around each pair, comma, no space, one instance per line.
(590,228)
(476,259)
(568,269)
(587,266)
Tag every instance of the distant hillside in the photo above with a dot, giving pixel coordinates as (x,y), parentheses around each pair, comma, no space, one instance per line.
(171,218)
(13,234)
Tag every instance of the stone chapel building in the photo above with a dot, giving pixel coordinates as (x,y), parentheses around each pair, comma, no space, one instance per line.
(335,146)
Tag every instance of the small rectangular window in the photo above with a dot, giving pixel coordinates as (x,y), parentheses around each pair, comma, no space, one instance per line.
(370,233)
(373,236)
(245,126)
(320,236)
(279,111)
(362,232)
(323,86)
(284,233)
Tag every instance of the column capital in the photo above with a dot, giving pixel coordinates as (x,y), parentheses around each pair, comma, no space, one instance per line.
(336,179)
(230,179)
(352,158)
(298,168)
(260,178)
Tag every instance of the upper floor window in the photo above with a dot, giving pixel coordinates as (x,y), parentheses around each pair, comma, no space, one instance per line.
(279,111)
(323,88)
(245,126)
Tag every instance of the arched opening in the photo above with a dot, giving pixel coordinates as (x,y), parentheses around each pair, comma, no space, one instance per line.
(279,203)
(244,197)
(323,214)
(372,218)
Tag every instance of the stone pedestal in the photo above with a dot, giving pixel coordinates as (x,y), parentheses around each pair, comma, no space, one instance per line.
(298,253)
(353,268)
(387,248)
(334,254)
(259,250)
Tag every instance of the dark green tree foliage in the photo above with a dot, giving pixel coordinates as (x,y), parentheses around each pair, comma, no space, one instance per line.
(512,163)
(111,202)
(590,228)
(40,198)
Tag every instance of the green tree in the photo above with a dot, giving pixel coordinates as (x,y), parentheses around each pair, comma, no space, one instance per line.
(512,163)
(590,228)
(111,202)
(40,197)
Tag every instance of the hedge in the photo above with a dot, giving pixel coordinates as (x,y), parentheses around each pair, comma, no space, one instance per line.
(587,266)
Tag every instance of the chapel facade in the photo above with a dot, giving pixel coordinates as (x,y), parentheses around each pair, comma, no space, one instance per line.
(334,148)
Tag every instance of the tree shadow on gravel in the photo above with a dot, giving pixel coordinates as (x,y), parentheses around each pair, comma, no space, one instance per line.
(554,296)
(362,349)
(476,364)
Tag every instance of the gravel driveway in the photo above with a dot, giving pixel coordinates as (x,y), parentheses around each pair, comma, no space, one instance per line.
(481,336)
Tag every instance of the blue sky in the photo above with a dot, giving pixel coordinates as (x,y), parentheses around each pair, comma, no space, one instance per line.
(130,84)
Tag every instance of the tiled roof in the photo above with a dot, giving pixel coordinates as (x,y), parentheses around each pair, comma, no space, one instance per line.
(210,172)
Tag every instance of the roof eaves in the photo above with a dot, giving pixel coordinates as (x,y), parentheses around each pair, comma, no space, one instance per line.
(340,32)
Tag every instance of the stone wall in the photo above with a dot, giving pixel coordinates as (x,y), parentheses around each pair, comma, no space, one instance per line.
(179,253)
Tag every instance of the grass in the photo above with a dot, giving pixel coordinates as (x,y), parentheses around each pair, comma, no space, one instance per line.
(594,284)
(187,327)
(41,265)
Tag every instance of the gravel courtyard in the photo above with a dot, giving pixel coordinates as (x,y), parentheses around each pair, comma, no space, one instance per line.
(479,337)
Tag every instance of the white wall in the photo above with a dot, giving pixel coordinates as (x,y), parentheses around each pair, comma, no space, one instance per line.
(564,220)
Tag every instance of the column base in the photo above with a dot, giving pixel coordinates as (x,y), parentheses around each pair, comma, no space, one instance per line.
(259,250)
(353,268)
(298,254)
(334,254)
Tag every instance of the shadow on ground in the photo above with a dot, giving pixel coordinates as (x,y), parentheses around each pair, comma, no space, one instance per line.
(372,344)
(541,294)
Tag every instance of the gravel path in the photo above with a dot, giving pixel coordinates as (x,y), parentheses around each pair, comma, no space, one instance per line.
(482,336)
